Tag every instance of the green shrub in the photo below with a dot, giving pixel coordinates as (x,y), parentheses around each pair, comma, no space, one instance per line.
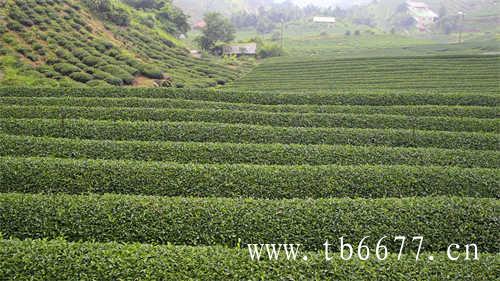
(66,68)
(210,221)
(91,60)
(101,75)
(81,77)
(151,72)
(80,53)
(52,175)
(81,65)
(15,26)
(118,16)
(237,133)
(32,57)
(61,260)
(119,73)
(115,81)
(9,39)
(270,50)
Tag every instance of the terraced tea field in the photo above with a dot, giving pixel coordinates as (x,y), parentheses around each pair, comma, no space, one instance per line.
(149,184)
(469,73)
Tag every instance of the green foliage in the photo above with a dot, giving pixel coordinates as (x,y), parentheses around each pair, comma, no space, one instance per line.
(436,73)
(14,26)
(65,68)
(210,221)
(381,98)
(61,260)
(218,30)
(407,110)
(53,175)
(91,60)
(81,77)
(99,5)
(238,153)
(147,4)
(62,33)
(319,120)
(239,133)
(175,16)
(232,176)
(270,50)
(151,72)
(119,73)
(110,11)
(97,83)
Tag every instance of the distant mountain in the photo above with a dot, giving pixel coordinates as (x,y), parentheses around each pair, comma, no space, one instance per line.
(330,3)
(197,8)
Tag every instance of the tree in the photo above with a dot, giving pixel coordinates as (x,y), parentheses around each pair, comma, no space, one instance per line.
(99,5)
(171,14)
(217,30)
(265,26)
(147,4)
(106,9)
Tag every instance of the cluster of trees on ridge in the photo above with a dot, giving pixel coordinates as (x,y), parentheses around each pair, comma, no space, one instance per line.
(170,18)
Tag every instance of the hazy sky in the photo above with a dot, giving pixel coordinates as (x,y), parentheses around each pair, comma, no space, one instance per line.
(329,3)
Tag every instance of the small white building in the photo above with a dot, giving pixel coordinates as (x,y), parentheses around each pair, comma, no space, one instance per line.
(240,49)
(422,14)
(325,20)
(329,20)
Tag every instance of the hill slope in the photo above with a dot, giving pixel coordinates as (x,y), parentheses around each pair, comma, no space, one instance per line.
(64,42)
(480,14)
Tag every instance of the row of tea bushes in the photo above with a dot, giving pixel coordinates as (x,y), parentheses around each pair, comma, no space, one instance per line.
(407,110)
(379,98)
(240,133)
(232,222)
(237,153)
(377,121)
(62,260)
(52,175)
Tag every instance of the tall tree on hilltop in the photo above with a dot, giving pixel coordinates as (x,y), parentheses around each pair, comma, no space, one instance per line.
(218,30)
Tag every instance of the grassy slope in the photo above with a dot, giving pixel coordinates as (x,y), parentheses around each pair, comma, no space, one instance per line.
(66,32)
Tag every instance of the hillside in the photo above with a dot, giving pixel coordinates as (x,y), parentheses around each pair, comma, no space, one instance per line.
(480,14)
(66,43)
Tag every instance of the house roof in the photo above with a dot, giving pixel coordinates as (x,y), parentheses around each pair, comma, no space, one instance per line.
(324,19)
(421,10)
(247,48)
(200,24)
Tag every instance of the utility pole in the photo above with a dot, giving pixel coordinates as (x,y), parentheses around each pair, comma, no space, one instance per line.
(461,18)
(282,34)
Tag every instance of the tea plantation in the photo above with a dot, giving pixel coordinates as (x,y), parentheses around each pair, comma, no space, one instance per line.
(165,184)
(463,73)
(67,43)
